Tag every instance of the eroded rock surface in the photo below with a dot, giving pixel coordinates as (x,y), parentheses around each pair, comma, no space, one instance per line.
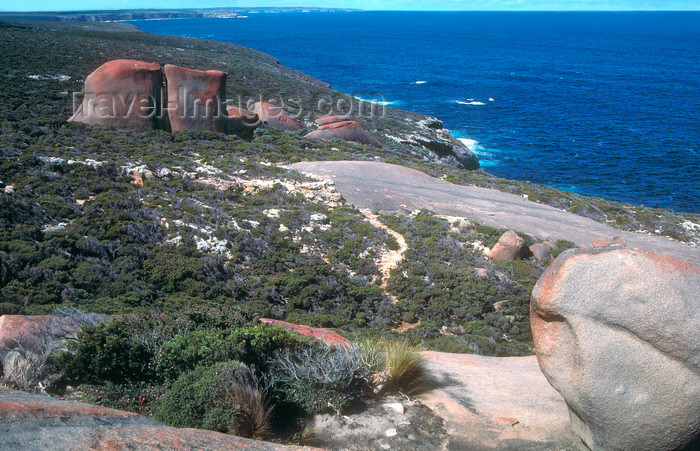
(617,333)
(196,99)
(123,93)
(510,247)
(342,127)
(30,421)
(275,117)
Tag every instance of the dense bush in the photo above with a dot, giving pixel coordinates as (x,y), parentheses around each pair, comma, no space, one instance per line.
(222,397)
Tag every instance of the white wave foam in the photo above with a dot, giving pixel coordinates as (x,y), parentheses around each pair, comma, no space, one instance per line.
(421,82)
(486,158)
(471,144)
(491,99)
(469,102)
(380,102)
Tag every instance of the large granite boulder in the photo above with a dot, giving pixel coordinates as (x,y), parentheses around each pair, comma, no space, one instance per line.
(510,247)
(275,117)
(123,93)
(342,129)
(617,333)
(196,99)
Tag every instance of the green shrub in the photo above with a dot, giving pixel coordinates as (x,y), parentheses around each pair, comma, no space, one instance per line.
(223,397)
(106,353)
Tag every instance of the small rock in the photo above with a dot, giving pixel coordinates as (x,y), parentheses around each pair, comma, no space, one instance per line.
(609,241)
(510,247)
(541,252)
(481,273)
(9,189)
(385,446)
(497,306)
(396,406)
(391,432)
(550,245)
(378,382)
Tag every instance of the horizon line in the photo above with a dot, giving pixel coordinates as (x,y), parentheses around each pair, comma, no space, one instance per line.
(352,10)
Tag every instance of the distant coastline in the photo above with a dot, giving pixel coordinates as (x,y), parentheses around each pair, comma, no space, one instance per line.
(152,14)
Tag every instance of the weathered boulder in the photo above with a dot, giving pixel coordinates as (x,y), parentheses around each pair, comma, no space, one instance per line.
(242,122)
(327,336)
(30,421)
(35,332)
(617,333)
(196,99)
(608,241)
(275,117)
(510,247)
(123,93)
(331,119)
(348,130)
(541,252)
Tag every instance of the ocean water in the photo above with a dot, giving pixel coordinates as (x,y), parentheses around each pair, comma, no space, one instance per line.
(601,104)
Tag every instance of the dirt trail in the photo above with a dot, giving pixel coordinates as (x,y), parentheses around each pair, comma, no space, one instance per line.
(396,189)
(389,260)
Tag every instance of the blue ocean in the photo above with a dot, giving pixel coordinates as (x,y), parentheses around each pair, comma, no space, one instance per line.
(601,104)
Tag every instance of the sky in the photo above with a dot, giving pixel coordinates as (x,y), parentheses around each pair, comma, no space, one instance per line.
(450,5)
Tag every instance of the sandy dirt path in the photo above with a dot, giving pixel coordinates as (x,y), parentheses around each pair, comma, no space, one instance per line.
(395,189)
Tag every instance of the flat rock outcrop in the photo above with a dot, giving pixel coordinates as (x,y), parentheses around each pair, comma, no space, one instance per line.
(123,93)
(30,421)
(196,99)
(607,241)
(510,247)
(275,117)
(617,333)
(327,336)
(496,403)
(342,127)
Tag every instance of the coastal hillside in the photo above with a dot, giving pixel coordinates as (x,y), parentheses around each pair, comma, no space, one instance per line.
(175,264)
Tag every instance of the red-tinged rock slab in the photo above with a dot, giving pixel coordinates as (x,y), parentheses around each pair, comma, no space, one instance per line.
(331,119)
(123,93)
(275,117)
(327,336)
(29,421)
(608,241)
(510,247)
(34,332)
(496,403)
(617,333)
(196,99)
(242,122)
(345,130)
